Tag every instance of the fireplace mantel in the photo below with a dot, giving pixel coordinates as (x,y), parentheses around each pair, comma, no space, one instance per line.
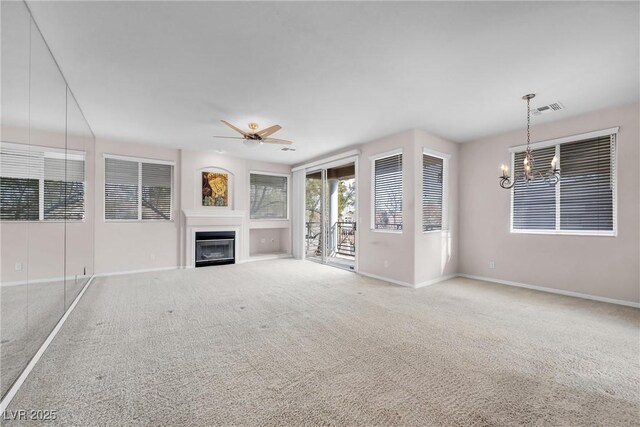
(214,219)
(213,212)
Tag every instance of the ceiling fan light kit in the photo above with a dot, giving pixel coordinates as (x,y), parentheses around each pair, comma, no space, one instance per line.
(255,137)
(528,174)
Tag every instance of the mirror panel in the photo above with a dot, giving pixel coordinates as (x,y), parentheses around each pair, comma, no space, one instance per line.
(46,194)
(79,248)
(46,243)
(15,33)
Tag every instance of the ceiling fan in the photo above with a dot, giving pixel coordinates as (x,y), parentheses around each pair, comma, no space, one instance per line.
(255,136)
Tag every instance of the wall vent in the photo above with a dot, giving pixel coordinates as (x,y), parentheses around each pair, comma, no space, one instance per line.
(546,109)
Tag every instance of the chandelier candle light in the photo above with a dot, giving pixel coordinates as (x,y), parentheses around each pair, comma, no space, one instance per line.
(552,177)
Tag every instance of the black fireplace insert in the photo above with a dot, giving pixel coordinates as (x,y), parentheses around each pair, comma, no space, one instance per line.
(215,248)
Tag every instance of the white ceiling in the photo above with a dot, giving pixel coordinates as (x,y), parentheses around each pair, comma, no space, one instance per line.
(336,74)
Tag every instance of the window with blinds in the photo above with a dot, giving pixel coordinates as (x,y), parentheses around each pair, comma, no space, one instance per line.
(583,202)
(41,183)
(534,203)
(64,188)
(587,186)
(137,190)
(156,191)
(19,199)
(268,196)
(434,193)
(387,193)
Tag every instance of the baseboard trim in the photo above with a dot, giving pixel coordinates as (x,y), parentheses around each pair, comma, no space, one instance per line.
(267,257)
(146,270)
(34,360)
(386,279)
(409,285)
(552,290)
(40,281)
(434,281)
(187,267)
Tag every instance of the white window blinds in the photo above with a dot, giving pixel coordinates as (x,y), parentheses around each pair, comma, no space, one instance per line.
(138,190)
(434,193)
(121,189)
(156,191)
(268,196)
(534,203)
(387,193)
(19,199)
(583,202)
(64,188)
(587,186)
(41,183)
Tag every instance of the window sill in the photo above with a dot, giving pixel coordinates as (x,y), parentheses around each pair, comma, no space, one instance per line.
(568,233)
(269,224)
(435,231)
(378,230)
(46,221)
(149,221)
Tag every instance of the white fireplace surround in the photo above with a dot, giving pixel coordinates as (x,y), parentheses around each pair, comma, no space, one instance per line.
(212,219)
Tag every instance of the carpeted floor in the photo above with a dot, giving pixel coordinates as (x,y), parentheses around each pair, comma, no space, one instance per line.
(289,342)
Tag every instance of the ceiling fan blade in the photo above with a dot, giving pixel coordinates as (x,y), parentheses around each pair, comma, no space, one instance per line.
(269,131)
(277,141)
(234,128)
(229,137)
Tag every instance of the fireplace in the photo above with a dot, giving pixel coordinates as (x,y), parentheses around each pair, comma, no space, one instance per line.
(215,248)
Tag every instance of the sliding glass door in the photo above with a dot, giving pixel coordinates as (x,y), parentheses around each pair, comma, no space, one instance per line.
(314,215)
(330,215)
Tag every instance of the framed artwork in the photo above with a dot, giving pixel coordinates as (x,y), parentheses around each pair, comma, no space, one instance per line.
(215,189)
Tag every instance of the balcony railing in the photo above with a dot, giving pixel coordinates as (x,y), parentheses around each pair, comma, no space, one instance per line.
(342,239)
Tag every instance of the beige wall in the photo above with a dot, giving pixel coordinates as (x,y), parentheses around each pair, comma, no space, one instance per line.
(595,265)
(384,253)
(134,245)
(436,253)
(269,240)
(411,257)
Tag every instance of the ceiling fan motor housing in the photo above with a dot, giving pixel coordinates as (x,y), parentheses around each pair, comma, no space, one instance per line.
(252,142)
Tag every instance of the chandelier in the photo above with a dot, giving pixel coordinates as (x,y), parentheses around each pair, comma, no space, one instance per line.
(528,174)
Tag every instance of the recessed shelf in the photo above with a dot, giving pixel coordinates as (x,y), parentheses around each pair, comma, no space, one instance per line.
(267,256)
(283,223)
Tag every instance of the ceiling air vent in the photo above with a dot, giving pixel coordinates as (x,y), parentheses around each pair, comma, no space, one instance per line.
(546,109)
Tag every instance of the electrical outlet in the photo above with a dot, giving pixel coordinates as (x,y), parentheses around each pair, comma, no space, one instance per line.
(18,266)
(152,256)
(386,263)
(263,240)
(492,264)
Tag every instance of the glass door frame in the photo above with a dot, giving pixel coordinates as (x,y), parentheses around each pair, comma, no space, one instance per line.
(324,230)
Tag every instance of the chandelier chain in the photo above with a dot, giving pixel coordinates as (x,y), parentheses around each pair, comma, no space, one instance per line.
(529,171)
(528,122)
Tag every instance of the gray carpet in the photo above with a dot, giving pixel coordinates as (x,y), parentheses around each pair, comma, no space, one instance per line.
(288,342)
